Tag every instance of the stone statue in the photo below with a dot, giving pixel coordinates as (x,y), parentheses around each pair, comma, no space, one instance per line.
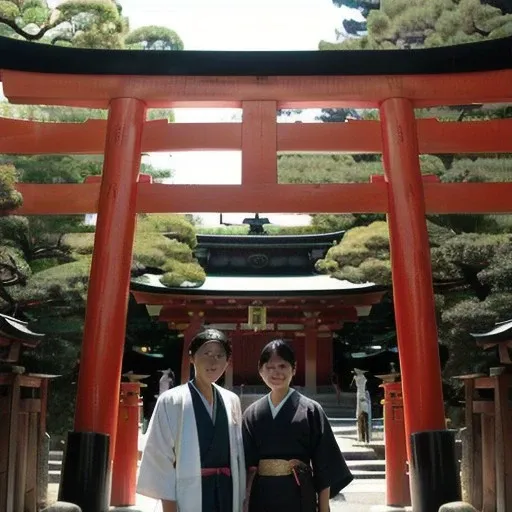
(166,381)
(363,406)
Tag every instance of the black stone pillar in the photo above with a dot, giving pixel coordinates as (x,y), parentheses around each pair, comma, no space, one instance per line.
(434,470)
(85,475)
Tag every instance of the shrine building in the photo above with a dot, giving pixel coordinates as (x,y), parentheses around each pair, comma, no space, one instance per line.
(260,287)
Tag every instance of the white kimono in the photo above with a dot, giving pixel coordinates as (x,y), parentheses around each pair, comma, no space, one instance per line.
(171,463)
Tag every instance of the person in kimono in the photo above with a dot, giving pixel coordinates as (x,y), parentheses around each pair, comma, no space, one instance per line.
(293,460)
(193,460)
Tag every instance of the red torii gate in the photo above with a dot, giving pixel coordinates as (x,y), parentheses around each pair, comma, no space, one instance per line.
(127,83)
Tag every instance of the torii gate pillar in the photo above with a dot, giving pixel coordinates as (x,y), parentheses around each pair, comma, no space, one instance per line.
(90,448)
(432,463)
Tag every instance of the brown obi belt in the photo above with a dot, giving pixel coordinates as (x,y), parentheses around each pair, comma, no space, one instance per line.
(282,467)
(275,467)
(215,471)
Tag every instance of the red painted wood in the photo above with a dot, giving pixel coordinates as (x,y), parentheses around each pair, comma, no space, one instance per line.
(246,356)
(412,275)
(259,142)
(179,315)
(310,356)
(96,91)
(99,380)
(299,345)
(124,473)
(397,482)
(435,137)
(245,364)
(334,198)
(358,299)
(324,360)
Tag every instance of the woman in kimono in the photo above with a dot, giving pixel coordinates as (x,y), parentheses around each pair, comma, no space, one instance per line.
(293,460)
(193,460)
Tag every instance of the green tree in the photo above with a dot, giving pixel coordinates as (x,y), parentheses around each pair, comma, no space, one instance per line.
(339,168)
(154,38)
(352,26)
(402,24)
(13,268)
(45,260)
(472,275)
(54,298)
(81,24)
(364,6)
(470,253)
(78,23)
(40,238)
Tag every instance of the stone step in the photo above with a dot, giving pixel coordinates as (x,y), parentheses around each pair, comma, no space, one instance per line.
(367,465)
(54,477)
(359,455)
(54,465)
(362,461)
(347,414)
(342,425)
(56,455)
(369,475)
(352,421)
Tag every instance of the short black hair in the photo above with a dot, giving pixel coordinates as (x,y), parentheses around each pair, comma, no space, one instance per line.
(279,347)
(207,335)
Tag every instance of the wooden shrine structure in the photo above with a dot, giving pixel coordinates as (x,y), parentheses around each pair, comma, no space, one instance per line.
(275,273)
(23,399)
(127,83)
(487,451)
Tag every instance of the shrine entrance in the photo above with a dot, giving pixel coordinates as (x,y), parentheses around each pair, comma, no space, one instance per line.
(304,309)
(128,82)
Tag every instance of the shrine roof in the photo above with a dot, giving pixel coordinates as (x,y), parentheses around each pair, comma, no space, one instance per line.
(14,328)
(290,241)
(241,286)
(487,55)
(501,332)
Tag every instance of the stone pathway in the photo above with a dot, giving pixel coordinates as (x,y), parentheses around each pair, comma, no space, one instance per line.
(364,494)
(359,496)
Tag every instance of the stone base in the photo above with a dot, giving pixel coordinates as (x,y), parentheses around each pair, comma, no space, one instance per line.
(62,506)
(379,447)
(127,509)
(457,506)
(385,508)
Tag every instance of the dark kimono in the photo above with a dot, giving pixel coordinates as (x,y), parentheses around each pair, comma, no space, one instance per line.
(300,431)
(213,434)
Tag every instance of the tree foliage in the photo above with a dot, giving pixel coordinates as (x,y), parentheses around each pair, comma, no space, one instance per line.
(45,260)
(397,24)
(81,24)
(470,254)
(477,266)
(154,38)
(363,6)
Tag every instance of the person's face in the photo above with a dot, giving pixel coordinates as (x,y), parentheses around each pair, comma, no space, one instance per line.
(277,373)
(210,361)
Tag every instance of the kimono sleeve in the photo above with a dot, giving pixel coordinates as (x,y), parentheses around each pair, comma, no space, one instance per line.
(252,457)
(329,466)
(157,475)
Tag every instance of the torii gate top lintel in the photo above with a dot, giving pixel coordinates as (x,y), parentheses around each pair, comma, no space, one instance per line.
(90,78)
